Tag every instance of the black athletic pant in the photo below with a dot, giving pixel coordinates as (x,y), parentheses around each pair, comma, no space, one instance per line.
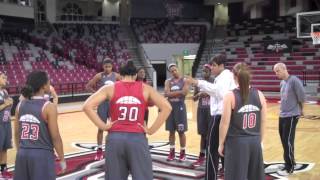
(243,158)
(212,162)
(287,131)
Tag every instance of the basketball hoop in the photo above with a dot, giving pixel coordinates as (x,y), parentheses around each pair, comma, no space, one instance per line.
(315,37)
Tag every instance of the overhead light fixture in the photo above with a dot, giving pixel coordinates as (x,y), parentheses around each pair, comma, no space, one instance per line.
(218,3)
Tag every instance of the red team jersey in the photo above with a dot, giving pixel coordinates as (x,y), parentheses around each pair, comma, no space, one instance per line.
(128,107)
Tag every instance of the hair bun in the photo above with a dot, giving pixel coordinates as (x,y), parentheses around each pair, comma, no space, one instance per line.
(27,91)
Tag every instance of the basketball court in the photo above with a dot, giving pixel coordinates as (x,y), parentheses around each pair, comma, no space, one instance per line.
(79,136)
(79,139)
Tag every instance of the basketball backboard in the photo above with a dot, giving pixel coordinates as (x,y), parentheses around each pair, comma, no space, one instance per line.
(307,22)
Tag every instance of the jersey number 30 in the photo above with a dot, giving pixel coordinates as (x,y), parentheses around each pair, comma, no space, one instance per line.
(249,120)
(27,134)
(128,113)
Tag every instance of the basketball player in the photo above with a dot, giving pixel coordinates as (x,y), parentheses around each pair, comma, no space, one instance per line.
(141,76)
(203,114)
(242,129)
(36,132)
(52,93)
(223,83)
(5,126)
(176,90)
(126,143)
(292,98)
(107,77)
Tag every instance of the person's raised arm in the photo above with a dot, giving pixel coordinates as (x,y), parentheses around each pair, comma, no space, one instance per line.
(196,94)
(185,88)
(207,87)
(54,95)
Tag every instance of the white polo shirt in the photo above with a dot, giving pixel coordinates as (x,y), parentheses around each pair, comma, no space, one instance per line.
(223,83)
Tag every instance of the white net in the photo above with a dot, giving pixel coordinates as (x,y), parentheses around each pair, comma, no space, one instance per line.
(315,37)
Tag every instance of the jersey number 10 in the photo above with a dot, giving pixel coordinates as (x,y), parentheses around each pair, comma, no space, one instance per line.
(249,120)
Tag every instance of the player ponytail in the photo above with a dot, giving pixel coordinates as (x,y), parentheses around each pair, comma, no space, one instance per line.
(243,77)
(27,91)
(35,81)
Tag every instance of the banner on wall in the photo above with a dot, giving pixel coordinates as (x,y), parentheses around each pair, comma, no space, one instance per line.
(173,8)
(284,46)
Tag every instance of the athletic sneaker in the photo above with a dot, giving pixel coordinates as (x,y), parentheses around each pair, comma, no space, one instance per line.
(296,166)
(99,156)
(171,155)
(199,162)
(281,166)
(6,174)
(182,156)
(283,173)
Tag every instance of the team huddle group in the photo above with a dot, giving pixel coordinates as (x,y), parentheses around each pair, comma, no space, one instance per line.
(231,118)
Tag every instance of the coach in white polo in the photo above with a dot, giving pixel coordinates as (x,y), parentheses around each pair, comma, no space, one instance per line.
(223,83)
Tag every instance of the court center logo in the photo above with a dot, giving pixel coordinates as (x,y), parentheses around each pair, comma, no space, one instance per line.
(82,165)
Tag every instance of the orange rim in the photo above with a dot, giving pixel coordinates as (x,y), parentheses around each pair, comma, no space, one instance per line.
(315,34)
